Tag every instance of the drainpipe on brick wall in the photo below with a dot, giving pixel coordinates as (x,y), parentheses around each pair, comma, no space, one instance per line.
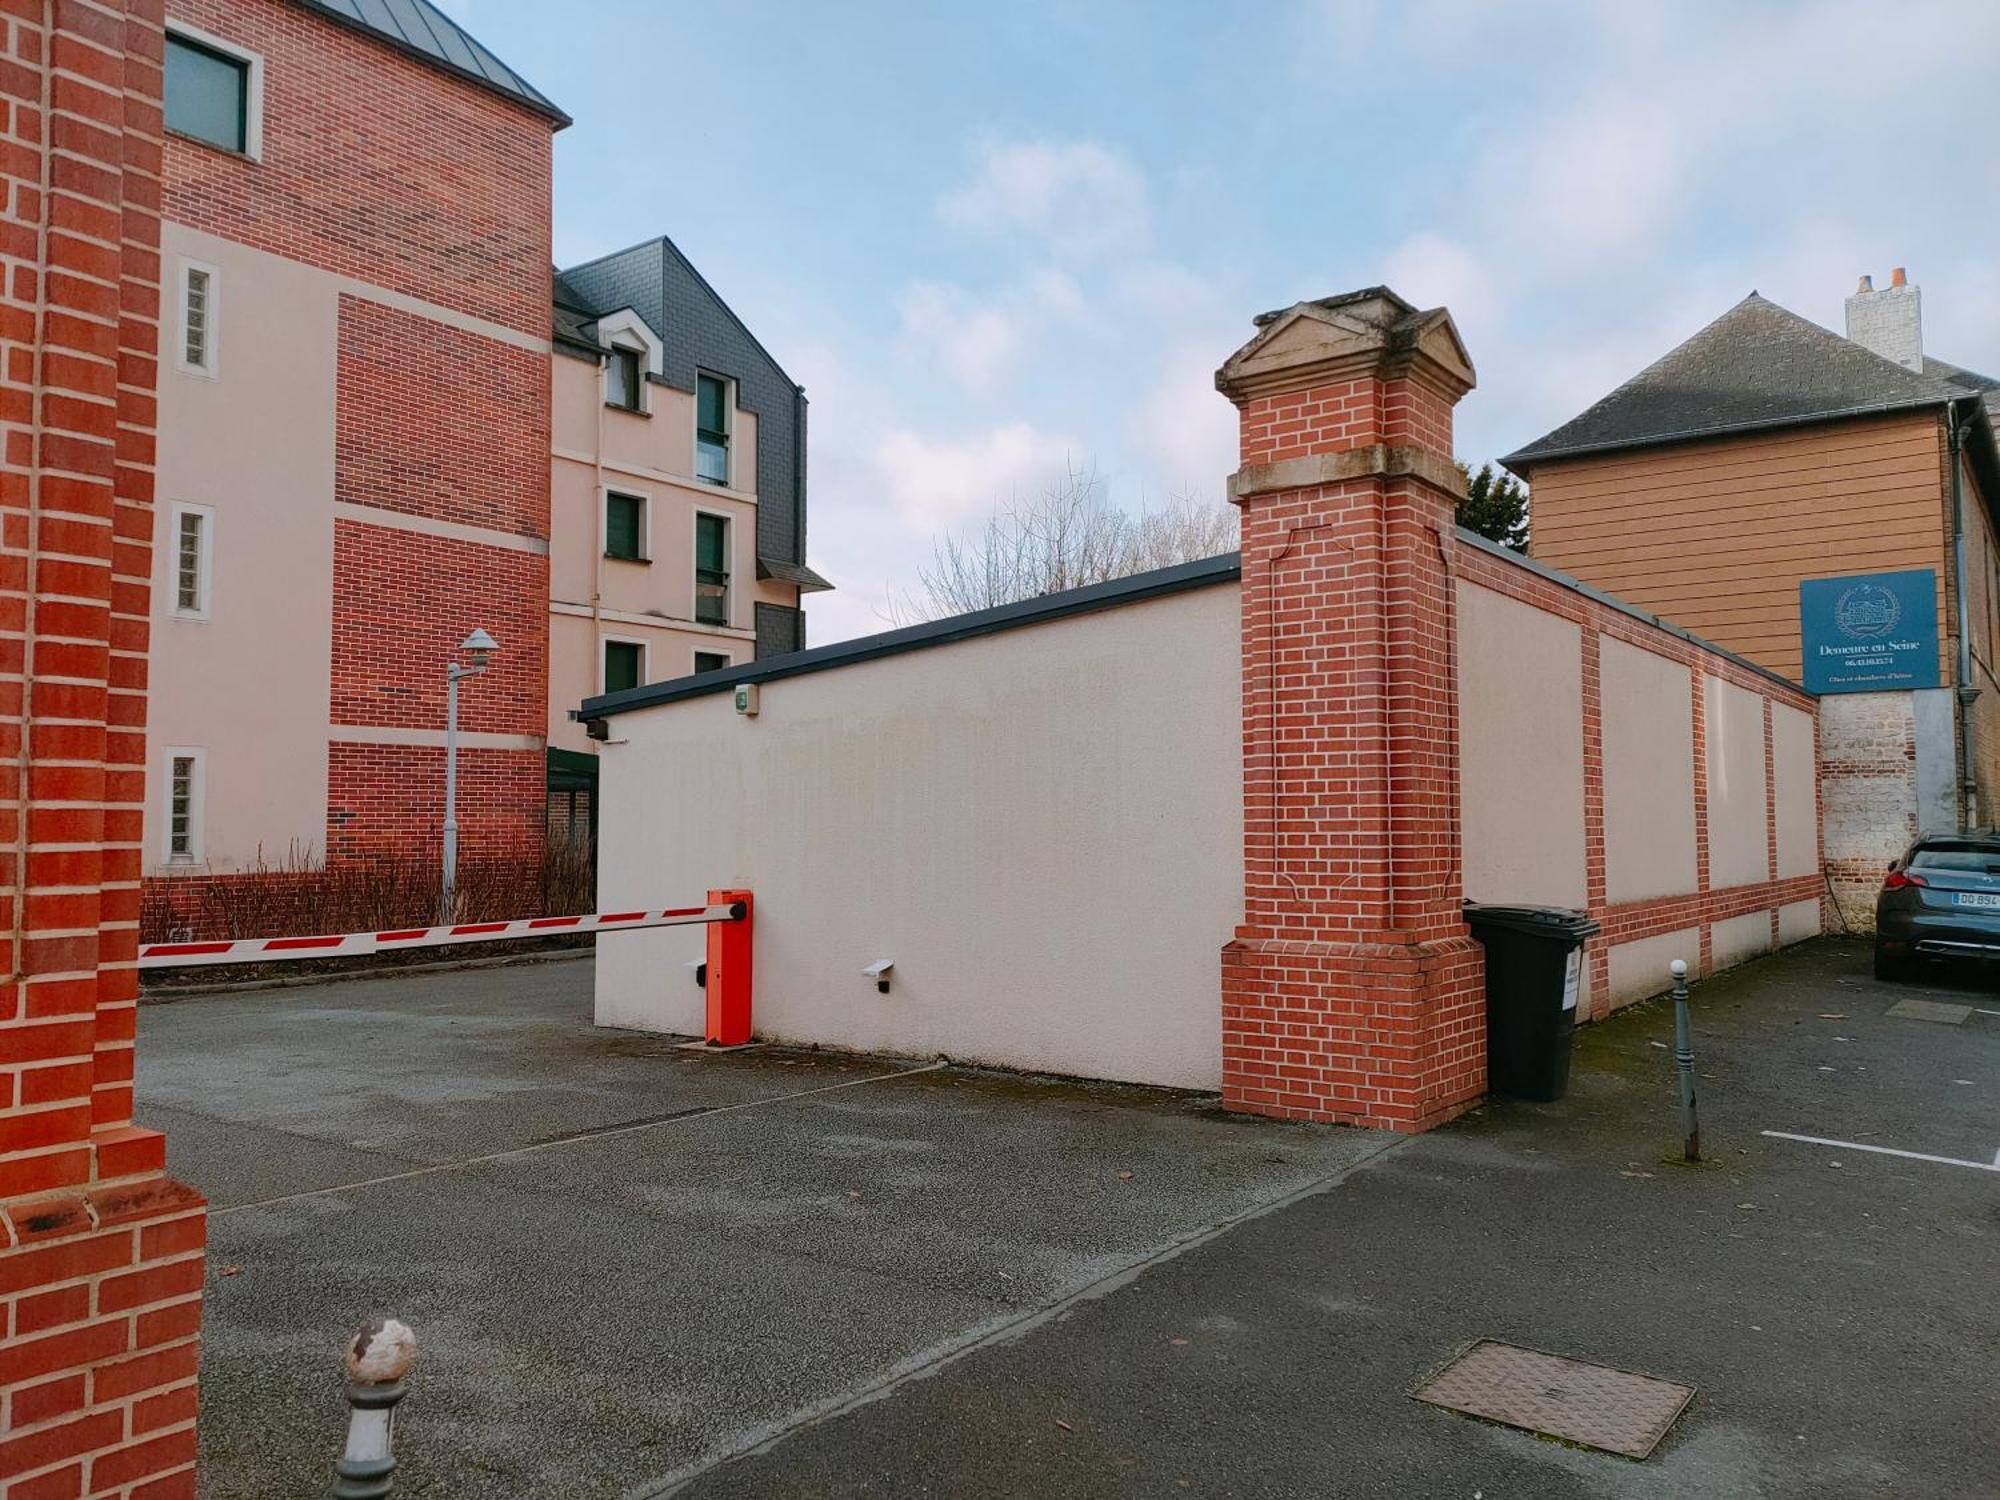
(1965,693)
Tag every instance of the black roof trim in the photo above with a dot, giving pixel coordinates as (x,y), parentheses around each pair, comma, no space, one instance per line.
(1096,596)
(504,81)
(1612,601)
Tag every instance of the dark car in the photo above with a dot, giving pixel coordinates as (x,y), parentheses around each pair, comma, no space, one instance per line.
(1940,900)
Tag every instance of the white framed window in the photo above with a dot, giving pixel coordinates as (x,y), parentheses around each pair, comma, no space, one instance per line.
(200,323)
(190,559)
(712,661)
(714,423)
(632,351)
(711,568)
(214,91)
(186,776)
(627,521)
(625,378)
(621,664)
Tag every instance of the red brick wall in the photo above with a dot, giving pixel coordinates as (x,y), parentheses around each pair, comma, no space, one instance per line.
(437,422)
(390,799)
(100,1255)
(402,602)
(378,167)
(1705,905)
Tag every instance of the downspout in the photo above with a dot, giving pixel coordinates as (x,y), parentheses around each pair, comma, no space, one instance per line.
(597,540)
(1965,692)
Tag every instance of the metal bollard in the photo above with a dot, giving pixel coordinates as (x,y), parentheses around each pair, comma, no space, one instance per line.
(377,1361)
(1684,1060)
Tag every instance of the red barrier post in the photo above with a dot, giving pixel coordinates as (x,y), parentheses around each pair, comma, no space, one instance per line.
(729,973)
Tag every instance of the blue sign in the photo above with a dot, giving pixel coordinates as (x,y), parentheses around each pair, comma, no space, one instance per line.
(1871,633)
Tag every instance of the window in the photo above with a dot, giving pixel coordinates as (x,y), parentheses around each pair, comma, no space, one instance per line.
(198,311)
(710,661)
(711,568)
(623,379)
(712,403)
(624,665)
(625,526)
(185,795)
(211,93)
(191,544)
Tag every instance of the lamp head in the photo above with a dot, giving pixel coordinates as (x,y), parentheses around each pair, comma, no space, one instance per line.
(480,647)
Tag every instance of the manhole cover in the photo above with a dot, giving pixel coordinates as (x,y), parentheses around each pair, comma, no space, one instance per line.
(1614,1410)
(1930,1010)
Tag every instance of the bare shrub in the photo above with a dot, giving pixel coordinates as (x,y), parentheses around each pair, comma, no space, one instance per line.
(300,894)
(1065,538)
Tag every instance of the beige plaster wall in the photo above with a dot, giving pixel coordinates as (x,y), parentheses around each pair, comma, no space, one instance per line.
(1041,828)
(1648,721)
(1795,772)
(1737,801)
(1638,969)
(1521,751)
(1738,938)
(652,601)
(249,685)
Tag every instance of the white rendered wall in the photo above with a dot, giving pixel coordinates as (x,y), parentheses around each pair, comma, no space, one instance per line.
(1042,827)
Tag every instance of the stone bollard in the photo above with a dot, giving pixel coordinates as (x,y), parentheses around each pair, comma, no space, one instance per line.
(377,1361)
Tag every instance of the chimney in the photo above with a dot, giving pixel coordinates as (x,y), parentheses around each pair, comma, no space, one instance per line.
(1889,322)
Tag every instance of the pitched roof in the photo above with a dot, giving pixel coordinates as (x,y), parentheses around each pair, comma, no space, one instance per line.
(1758,365)
(420,29)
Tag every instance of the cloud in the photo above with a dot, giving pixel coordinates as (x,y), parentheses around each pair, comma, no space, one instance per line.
(938,483)
(1076,199)
(1183,428)
(981,342)
(973,343)
(1433,271)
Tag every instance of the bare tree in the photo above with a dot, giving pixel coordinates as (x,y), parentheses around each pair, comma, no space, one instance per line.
(1065,538)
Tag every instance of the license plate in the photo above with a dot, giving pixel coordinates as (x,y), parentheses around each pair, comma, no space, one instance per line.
(1972,898)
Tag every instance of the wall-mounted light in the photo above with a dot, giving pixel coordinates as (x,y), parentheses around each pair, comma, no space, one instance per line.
(879,972)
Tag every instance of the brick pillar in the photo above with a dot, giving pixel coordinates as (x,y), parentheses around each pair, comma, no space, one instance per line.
(101,1260)
(1352,991)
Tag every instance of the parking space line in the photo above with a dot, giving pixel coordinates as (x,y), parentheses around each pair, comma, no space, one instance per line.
(1946,1161)
(657,1123)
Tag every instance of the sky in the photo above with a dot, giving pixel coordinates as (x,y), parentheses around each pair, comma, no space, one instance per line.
(999,242)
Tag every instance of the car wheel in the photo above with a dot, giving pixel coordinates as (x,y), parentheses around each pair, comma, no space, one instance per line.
(1891,965)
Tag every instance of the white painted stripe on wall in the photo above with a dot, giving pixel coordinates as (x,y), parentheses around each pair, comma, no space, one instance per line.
(401,301)
(658,476)
(627,617)
(397,734)
(396,520)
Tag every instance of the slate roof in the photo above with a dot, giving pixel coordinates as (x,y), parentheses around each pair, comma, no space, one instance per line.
(421,30)
(575,322)
(1758,365)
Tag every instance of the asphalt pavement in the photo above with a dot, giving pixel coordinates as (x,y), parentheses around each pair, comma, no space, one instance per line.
(641,1271)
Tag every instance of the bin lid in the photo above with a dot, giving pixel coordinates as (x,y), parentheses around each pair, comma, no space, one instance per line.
(1558,923)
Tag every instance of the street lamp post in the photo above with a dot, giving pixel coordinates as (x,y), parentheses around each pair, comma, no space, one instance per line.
(480,647)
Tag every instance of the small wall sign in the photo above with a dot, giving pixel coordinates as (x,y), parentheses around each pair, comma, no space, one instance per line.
(1870,632)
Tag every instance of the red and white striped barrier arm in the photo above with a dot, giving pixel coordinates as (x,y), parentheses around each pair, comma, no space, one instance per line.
(351,944)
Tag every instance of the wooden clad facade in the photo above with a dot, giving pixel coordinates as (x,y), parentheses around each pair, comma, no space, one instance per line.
(1717,535)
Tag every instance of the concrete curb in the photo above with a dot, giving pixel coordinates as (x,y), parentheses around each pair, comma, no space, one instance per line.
(170,995)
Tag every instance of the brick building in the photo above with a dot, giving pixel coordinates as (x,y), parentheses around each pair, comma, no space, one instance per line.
(354,448)
(1767,454)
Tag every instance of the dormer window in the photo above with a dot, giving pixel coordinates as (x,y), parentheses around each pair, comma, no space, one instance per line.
(624,379)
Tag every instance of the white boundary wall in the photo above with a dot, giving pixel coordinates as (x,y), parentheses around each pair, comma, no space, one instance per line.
(1041,827)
